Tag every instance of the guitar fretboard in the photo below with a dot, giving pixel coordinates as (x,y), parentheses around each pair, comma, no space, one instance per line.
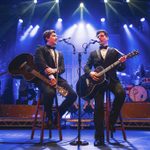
(130,55)
(61,90)
(37,74)
(108,68)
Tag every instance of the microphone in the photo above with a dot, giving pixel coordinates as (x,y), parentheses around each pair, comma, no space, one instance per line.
(94,41)
(64,39)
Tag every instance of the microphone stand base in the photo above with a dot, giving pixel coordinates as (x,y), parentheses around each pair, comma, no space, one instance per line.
(83,143)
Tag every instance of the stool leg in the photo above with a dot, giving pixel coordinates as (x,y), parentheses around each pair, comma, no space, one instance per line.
(122,127)
(35,119)
(59,127)
(42,126)
(108,132)
(58,120)
(50,129)
(107,115)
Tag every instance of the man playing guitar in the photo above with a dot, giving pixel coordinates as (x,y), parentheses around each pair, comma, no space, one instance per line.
(104,57)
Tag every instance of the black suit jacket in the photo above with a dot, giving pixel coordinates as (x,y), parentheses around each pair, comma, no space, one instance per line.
(44,59)
(94,61)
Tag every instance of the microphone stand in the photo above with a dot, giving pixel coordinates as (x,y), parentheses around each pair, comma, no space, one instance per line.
(78,141)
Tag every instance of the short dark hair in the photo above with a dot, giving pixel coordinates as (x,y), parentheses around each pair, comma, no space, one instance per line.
(103,31)
(47,34)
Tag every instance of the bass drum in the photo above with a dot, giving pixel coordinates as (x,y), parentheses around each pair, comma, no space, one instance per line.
(138,94)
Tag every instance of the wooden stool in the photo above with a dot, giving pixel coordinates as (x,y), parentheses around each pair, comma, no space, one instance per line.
(39,120)
(107,120)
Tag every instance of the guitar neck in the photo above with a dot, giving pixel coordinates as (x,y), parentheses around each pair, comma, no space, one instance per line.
(43,78)
(108,68)
(61,90)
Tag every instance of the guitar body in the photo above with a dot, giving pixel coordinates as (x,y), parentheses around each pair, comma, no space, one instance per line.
(86,86)
(17,71)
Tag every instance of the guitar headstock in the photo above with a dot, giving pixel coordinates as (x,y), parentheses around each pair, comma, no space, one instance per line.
(129,55)
(133,53)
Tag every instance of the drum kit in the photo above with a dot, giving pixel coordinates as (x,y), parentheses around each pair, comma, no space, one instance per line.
(137,88)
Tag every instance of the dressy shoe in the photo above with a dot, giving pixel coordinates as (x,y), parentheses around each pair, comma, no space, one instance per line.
(99,142)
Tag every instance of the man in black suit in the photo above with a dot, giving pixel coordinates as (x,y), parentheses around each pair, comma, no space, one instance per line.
(104,57)
(50,63)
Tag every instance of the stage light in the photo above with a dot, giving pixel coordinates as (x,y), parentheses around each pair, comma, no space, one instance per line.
(142,19)
(127,1)
(34,31)
(57,1)
(59,20)
(35,1)
(88,25)
(102,19)
(59,24)
(125,26)
(128,32)
(81,5)
(31,26)
(26,33)
(81,25)
(75,25)
(20,21)
(130,25)
(105,1)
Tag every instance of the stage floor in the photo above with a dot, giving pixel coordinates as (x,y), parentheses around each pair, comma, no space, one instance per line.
(19,139)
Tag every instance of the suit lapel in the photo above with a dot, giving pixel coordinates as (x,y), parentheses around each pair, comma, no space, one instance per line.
(108,52)
(99,54)
(50,57)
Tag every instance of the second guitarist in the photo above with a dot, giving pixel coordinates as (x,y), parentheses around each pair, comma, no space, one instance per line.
(104,57)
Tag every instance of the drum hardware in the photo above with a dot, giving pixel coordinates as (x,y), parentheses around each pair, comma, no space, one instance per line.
(146,80)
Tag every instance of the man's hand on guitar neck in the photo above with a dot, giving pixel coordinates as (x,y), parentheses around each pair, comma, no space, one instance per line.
(94,75)
(123,59)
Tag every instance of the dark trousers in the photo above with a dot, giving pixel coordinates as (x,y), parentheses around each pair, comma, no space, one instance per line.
(49,93)
(116,88)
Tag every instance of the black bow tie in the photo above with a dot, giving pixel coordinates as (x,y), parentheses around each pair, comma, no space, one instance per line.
(103,47)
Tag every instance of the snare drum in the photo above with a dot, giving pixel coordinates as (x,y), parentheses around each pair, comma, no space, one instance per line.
(138,94)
